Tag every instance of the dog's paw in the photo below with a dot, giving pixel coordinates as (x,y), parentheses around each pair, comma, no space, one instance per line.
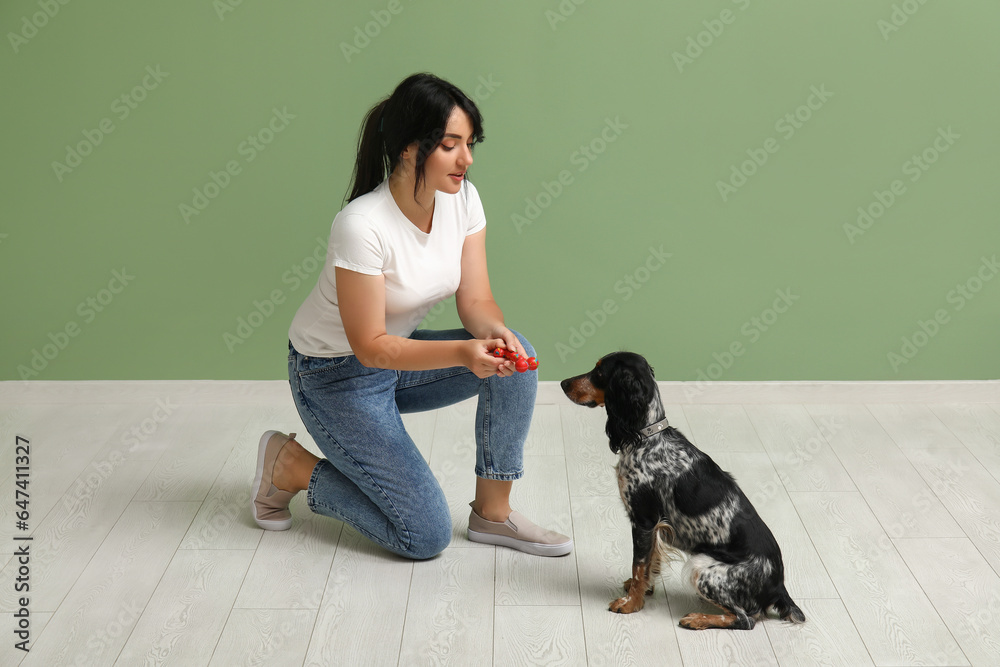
(626,605)
(628,586)
(694,622)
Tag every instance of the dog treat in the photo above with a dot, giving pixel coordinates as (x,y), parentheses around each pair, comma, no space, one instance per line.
(521,364)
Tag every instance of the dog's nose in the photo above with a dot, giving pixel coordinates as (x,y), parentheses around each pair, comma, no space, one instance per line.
(565,385)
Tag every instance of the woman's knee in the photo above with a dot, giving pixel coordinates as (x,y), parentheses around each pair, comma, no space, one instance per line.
(529,351)
(431,540)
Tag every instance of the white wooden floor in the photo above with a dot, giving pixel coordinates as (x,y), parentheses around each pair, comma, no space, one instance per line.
(144,551)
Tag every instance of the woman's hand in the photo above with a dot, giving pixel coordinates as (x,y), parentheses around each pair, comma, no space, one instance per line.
(480,360)
(510,341)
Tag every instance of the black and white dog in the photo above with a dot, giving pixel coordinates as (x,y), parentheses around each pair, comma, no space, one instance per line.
(678,499)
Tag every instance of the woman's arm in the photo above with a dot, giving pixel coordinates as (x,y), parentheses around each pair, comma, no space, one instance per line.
(361,299)
(478,310)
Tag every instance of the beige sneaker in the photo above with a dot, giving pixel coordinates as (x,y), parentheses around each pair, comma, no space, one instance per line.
(518,533)
(270,504)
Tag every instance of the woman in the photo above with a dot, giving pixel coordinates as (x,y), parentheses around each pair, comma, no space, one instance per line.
(356,360)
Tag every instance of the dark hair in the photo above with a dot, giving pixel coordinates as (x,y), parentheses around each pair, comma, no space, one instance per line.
(418,110)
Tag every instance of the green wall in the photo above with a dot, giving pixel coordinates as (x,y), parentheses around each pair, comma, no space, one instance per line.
(678,179)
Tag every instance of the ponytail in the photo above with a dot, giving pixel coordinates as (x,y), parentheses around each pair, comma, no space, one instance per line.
(372,164)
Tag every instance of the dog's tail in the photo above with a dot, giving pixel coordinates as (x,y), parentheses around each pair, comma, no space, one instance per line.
(663,534)
(788,610)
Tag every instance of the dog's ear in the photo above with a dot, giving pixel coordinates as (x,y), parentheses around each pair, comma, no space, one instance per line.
(626,399)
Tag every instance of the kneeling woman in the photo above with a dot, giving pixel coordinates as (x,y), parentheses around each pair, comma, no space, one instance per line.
(412,234)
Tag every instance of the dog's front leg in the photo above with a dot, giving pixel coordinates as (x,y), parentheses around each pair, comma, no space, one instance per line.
(639,585)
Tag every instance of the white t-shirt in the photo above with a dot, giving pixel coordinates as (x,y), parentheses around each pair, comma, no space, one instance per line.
(371,235)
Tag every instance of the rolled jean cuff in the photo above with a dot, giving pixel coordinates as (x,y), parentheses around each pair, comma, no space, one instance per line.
(500,476)
(316,474)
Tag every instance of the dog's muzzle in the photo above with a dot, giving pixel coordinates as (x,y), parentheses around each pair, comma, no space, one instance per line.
(580,390)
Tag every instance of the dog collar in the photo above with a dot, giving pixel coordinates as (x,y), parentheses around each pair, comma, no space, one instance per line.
(654,428)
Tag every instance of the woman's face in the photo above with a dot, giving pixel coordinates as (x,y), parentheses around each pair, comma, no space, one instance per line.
(446,165)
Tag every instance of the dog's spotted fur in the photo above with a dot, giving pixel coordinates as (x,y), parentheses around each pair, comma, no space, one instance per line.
(679,500)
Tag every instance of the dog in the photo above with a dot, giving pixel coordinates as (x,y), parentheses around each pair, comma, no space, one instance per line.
(679,500)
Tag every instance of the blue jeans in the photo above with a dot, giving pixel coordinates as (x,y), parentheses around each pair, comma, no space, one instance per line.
(374,477)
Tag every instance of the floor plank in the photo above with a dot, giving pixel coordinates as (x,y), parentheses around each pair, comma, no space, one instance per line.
(977,425)
(449,617)
(828,638)
(913,426)
(188,609)
(271,637)
(81,436)
(721,428)
(895,619)
(97,615)
(604,557)
(523,579)
(964,589)
(224,520)
(364,605)
(896,493)
(545,433)
(69,535)
(798,447)
(186,469)
(550,636)
(290,567)
(590,464)
(969,493)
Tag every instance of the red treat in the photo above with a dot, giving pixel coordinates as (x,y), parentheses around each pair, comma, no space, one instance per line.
(521,364)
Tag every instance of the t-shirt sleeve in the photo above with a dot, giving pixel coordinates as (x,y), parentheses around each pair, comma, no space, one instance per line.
(474,208)
(355,245)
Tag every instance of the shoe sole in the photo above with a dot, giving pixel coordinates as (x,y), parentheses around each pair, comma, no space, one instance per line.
(534,548)
(266,524)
